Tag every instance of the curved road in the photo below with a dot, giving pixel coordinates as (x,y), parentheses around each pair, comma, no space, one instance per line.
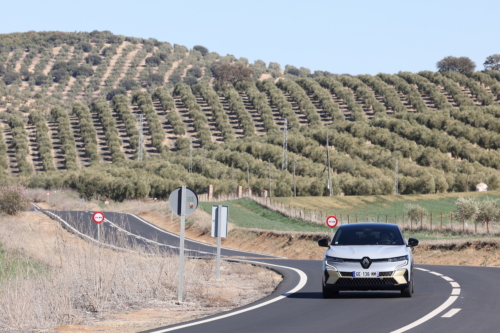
(446,299)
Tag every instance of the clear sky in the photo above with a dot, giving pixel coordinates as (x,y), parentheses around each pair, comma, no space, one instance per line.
(355,37)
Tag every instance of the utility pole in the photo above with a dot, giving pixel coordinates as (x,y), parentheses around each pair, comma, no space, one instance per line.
(284,160)
(396,178)
(248,177)
(468,161)
(141,138)
(190,169)
(328,166)
(294,183)
(269,171)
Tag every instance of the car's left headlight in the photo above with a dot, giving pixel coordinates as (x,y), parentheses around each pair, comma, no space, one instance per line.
(331,261)
(402,258)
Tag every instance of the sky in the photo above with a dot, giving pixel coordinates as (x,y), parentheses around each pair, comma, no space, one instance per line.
(354,37)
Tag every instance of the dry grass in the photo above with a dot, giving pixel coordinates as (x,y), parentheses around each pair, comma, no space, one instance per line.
(64,280)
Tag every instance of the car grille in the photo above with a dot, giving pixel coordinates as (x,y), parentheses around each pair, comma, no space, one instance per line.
(380,274)
(360,281)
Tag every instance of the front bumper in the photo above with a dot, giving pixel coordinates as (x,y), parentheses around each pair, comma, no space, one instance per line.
(388,280)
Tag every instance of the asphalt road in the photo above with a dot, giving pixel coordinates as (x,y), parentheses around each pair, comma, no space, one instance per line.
(468,297)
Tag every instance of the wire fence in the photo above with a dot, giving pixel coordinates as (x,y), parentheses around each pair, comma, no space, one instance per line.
(445,222)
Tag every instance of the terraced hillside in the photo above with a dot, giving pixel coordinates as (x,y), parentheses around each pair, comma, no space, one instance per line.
(118,117)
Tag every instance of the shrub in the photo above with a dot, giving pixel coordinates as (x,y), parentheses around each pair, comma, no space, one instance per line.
(163,56)
(14,199)
(195,71)
(40,79)
(10,77)
(154,79)
(129,84)
(109,51)
(86,47)
(153,61)
(115,92)
(415,212)
(93,59)
(202,49)
(84,70)
(190,80)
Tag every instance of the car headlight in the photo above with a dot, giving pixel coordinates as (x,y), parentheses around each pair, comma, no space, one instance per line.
(331,261)
(403,258)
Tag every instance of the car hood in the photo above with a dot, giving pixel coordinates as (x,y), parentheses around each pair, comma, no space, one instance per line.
(371,251)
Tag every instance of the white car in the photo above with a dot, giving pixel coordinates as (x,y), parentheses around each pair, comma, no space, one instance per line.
(368,256)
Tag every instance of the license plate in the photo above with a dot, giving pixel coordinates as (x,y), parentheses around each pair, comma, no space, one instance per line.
(365,274)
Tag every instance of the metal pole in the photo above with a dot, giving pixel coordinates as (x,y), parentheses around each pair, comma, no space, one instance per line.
(284,160)
(269,171)
(328,165)
(219,223)
(181,248)
(396,177)
(248,176)
(294,183)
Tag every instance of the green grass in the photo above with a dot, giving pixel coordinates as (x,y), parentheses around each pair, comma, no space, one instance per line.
(246,213)
(384,205)
(12,264)
(426,235)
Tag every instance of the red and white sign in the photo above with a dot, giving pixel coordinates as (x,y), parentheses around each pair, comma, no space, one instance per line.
(48,193)
(98,217)
(332,221)
(106,202)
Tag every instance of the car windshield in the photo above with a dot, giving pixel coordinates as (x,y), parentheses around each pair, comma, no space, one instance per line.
(368,235)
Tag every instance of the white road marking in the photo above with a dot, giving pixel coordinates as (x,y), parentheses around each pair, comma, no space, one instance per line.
(450,313)
(300,285)
(434,313)
(454,295)
(194,241)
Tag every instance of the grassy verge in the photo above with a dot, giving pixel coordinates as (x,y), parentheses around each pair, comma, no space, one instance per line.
(247,214)
(382,205)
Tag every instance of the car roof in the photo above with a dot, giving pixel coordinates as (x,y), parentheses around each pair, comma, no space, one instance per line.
(368,224)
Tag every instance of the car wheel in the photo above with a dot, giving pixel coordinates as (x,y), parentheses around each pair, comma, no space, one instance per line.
(329,293)
(408,291)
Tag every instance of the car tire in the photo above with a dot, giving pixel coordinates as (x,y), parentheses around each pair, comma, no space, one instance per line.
(329,293)
(408,291)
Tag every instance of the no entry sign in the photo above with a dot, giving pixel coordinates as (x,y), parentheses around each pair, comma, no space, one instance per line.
(332,221)
(98,217)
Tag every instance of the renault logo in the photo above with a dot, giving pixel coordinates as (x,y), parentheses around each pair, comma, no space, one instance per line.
(366,262)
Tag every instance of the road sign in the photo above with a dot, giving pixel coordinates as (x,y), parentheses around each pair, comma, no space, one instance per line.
(219,230)
(223,221)
(98,217)
(175,201)
(183,201)
(106,202)
(48,193)
(332,221)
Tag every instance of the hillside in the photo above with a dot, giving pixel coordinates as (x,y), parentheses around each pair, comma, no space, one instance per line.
(70,105)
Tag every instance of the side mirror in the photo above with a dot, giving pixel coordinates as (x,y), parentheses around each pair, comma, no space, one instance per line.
(324,242)
(412,242)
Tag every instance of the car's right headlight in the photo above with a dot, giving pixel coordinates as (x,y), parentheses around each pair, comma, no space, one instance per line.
(331,261)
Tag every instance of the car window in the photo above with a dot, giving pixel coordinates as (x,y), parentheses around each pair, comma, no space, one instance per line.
(372,235)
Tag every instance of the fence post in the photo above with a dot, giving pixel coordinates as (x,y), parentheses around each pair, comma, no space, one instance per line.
(411,223)
(441,226)
(421,221)
(463,223)
(356,218)
(403,221)
(475,226)
(431,221)
(451,221)
(348,219)
(394,219)
(487,225)
(386,218)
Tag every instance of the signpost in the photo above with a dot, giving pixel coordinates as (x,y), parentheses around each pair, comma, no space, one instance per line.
(219,229)
(332,221)
(183,201)
(48,197)
(98,217)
